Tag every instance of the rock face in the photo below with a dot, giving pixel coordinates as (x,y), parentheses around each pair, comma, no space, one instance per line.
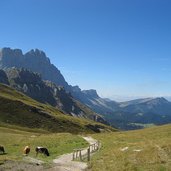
(31,84)
(3,77)
(65,101)
(91,93)
(10,58)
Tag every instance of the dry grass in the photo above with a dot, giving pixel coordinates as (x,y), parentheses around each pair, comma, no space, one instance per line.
(148,150)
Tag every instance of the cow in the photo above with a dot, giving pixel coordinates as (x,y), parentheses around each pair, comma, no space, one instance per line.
(26,150)
(2,149)
(42,150)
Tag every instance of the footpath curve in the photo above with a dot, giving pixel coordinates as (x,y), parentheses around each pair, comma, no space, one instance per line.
(65,163)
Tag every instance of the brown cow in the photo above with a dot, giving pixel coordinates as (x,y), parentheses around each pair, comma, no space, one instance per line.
(26,150)
(2,149)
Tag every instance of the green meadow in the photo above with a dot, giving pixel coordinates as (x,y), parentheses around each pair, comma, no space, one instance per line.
(141,150)
(15,140)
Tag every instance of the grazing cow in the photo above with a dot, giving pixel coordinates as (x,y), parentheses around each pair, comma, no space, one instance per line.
(2,149)
(26,150)
(42,150)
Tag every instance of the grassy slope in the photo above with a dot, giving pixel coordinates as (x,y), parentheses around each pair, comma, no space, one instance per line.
(154,142)
(14,142)
(16,109)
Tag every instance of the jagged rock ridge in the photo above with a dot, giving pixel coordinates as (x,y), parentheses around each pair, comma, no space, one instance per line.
(34,60)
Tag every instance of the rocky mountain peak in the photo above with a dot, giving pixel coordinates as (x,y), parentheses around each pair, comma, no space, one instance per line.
(38,55)
(10,52)
(91,93)
(36,52)
(76,89)
(34,60)
(158,101)
(10,58)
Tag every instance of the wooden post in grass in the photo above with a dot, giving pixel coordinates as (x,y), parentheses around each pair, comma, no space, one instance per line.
(88,154)
(73,156)
(80,156)
(98,145)
(76,154)
(90,146)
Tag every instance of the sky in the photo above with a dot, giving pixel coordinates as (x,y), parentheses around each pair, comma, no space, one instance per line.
(121,48)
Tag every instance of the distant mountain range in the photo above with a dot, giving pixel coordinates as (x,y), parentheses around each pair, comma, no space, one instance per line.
(141,113)
(54,89)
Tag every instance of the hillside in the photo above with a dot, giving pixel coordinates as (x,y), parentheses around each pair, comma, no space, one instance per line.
(32,85)
(19,110)
(141,150)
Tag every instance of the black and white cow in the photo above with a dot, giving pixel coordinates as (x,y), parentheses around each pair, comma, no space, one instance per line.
(2,149)
(42,150)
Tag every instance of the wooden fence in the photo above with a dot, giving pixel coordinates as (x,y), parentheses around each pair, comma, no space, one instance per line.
(81,154)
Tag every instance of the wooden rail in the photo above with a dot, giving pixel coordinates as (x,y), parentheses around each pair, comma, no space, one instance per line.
(80,154)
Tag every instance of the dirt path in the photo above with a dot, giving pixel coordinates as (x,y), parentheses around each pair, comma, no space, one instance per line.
(65,163)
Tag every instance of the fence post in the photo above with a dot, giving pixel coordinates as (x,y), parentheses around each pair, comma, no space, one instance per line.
(76,154)
(88,154)
(98,145)
(80,156)
(73,157)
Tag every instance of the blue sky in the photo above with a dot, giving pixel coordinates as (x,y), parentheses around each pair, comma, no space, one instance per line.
(118,47)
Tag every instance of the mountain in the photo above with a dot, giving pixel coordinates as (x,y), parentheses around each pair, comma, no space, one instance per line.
(154,105)
(37,61)
(47,92)
(92,100)
(20,110)
(34,60)
(74,101)
(141,113)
